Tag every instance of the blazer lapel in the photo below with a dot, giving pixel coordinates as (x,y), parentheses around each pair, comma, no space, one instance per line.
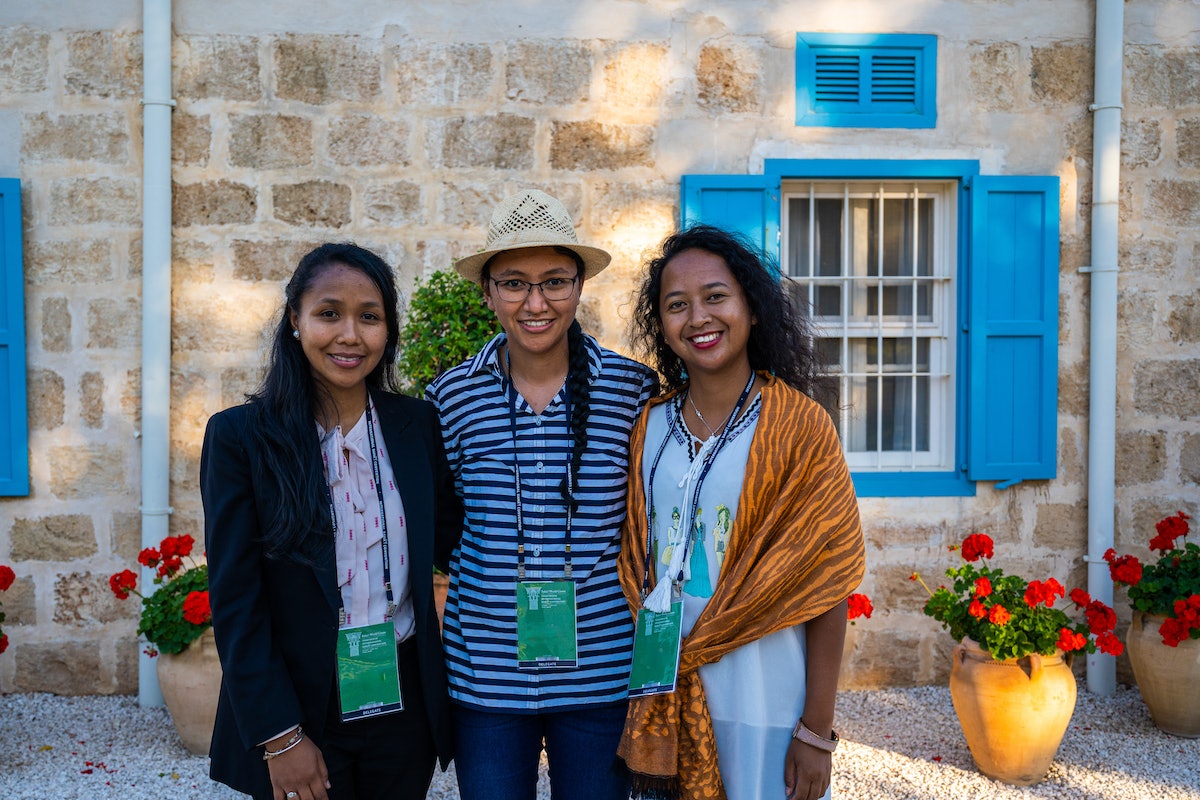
(410,464)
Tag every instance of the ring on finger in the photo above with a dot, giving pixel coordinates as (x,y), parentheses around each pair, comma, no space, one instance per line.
(292,795)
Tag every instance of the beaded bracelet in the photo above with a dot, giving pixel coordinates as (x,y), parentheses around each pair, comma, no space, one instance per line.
(802,733)
(296,738)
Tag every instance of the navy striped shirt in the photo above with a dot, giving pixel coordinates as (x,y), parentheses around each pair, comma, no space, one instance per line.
(480,632)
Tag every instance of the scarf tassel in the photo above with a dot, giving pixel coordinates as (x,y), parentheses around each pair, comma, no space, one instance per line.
(653,787)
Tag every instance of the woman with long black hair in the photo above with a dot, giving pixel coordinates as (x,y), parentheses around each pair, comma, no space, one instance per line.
(327,501)
(537,426)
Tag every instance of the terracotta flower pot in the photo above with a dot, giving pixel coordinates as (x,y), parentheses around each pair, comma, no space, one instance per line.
(1013,713)
(191,682)
(1167,677)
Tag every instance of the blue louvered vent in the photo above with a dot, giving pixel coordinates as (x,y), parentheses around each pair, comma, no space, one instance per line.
(866,81)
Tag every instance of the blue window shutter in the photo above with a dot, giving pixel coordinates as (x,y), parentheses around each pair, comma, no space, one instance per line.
(745,204)
(14,431)
(1012,329)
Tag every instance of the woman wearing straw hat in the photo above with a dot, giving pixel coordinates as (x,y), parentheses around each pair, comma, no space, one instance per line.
(536,427)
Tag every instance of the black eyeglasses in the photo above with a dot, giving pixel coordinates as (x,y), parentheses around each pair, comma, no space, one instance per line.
(513,291)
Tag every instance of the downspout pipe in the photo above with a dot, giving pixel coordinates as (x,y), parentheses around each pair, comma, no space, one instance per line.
(156,297)
(1102,411)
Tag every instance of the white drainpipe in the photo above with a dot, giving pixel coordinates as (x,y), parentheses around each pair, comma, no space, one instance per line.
(156,297)
(1102,412)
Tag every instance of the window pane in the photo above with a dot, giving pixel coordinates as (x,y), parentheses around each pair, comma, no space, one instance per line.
(828,243)
(799,253)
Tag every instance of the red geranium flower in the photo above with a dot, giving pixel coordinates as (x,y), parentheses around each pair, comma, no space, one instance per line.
(7,576)
(1080,598)
(3,642)
(859,605)
(149,558)
(1169,529)
(123,583)
(1110,644)
(1069,640)
(977,545)
(998,615)
(977,610)
(177,546)
(983,587)
(1100,618)
(196,609)
(1126,570)
(1038,592)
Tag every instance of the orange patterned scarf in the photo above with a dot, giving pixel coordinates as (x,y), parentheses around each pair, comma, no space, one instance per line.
(795,551)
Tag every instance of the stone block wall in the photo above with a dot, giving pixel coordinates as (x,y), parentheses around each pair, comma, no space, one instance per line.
(402,133)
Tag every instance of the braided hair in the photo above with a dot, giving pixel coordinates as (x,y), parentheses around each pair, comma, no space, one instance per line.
(579,375)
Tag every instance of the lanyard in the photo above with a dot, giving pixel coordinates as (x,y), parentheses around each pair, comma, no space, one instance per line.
(387,556)
(709,457)
(512,423)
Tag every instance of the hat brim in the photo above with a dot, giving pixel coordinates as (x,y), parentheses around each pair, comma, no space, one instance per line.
(594,259)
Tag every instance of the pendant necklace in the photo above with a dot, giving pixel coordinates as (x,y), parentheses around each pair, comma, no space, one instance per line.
(699,416)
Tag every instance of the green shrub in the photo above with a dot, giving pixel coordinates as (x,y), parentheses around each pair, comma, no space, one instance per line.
(447,323)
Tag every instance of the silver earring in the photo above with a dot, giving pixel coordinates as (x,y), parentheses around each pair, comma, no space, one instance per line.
(295,334)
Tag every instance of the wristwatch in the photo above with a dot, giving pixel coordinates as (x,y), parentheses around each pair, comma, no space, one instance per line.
(802,733)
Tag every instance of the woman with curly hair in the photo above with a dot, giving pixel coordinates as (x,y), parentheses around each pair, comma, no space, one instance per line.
(767,546)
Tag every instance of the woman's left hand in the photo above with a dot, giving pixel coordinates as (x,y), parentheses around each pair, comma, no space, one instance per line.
(806,771)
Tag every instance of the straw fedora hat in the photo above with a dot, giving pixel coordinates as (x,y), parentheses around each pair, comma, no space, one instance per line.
(531,218)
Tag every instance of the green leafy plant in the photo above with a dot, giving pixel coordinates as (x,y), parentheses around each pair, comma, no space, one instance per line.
(1169,587)
(177,613)
(1011,617)
(447,322)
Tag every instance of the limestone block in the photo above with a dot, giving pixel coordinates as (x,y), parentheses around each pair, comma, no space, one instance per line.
(1169,388)
(24,60)
(556,73)
(325,69)
(442,75)
(91,399)
(131,396)
(1160,77)
(896,534)
(91,200)
(393,203)
(1189,459)
(75,137)
(126,535)
(104,63)
(1141,142)
(191,139)
(893,589)
(1070,458)
(236,383)
(270,141)
(1187,142)
(1140,457)
(1184,320)
(885,657)
(114,323)
(504,141)
(77,260)
(57,537)
(995,74)
(56,325)
(66,668)
(366,140)
(593,145)
(231,320)
(1062,73)
(224,67)
(322,204)
(469,206)
(127,650)
(213,203)
(1146,256)
(84,598)
(636,76)
(728,78)
(271,260)
(185,460)
(20,603)
(1147,511)
(1174,202)
(45,395)
(189,408)
(1061,527)
(87,471)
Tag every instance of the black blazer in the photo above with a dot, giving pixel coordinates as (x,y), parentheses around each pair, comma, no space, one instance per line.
(276,620)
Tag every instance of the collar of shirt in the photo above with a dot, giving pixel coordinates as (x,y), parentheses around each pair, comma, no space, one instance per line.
(488,358)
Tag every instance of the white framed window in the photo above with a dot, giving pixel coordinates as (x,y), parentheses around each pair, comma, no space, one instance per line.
(875,261)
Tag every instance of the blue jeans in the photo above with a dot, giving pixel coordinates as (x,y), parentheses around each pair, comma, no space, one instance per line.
(497,753)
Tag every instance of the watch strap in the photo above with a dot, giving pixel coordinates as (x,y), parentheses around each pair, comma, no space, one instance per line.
(802,733)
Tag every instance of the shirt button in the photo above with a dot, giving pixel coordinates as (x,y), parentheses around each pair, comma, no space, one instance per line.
(538,422)
(539,466)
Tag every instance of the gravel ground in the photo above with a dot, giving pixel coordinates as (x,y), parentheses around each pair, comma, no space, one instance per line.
(898,744)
